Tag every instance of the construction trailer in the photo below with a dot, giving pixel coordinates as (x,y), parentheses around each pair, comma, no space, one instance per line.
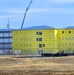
(40,40)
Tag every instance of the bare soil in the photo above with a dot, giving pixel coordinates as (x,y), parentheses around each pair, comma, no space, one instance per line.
(10,65)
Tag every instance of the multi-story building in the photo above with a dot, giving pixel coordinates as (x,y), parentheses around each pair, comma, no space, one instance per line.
(5,41)
(35,40)
(38,40)
(66,40)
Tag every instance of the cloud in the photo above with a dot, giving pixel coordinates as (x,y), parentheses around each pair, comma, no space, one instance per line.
(39,10)
(11,17)
(51,10)
(15,0)
(21,11)
(61,11)
(18,13)
(62,1)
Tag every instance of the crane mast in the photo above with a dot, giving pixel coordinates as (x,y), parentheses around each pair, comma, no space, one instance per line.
(26,13)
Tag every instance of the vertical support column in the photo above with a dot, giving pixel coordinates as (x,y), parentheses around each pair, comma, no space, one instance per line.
(3,43)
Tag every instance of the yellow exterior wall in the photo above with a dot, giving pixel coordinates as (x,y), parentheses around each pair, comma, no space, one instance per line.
(26,40)
(66,40)
(55,40)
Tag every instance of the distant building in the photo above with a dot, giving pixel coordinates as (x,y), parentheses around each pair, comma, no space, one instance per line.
(43,39)
(5,41)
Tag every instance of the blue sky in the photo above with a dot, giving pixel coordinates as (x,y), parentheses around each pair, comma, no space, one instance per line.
(55,13)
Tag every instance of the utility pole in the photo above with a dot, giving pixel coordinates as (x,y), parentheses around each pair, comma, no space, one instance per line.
(26,13)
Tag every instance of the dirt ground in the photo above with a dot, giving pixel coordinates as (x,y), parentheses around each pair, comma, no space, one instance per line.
(9,65)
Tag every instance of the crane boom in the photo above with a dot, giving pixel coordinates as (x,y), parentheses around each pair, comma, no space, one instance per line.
(26,13)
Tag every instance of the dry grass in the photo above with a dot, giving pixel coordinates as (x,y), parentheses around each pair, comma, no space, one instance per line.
(36,66)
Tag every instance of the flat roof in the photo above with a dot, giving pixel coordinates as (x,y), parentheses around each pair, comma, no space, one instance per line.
(6,29)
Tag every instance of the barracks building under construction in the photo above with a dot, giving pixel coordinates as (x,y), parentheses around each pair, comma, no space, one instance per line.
(43,40)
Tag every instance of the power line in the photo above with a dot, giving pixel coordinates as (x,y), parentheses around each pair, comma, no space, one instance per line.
(26,13)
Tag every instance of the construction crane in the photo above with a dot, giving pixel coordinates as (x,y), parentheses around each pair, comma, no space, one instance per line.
(26,13)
